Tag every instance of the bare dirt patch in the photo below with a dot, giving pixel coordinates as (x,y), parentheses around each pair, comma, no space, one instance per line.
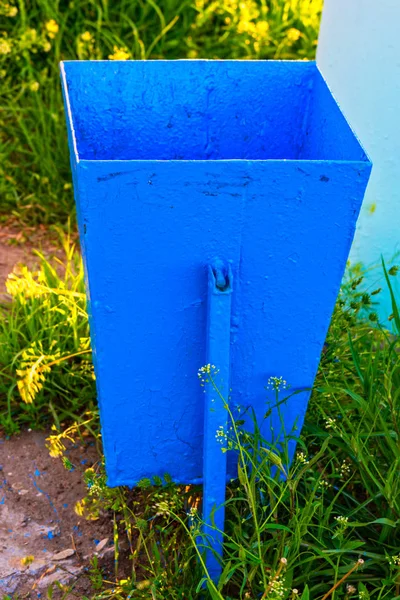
(17,246)
(42,539)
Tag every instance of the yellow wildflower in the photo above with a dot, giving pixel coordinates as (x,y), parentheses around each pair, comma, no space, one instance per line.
(10,11)
(34,366)
(34,86)
(5,47)
(22,282)
(46,46)
(246,27)
(31,380)
(119,54)
(262,29)
(308,11)
(293,35)
(86,37)
(29,39)
(248,11)
(55,446)
(52,28)
(144,584)
(80,507)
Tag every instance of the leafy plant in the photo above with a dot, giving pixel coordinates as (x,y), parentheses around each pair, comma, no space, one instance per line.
(45,356)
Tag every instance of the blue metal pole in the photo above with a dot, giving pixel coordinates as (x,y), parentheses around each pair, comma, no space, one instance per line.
(215,413)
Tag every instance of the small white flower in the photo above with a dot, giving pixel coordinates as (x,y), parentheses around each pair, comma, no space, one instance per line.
(343,521)
(345,470)
(220,435)
(350,589)
(301,457)
(394,561)
(330,423)
(276,383)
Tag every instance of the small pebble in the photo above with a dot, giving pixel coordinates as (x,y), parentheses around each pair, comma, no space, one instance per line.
(101,545)
(64,554)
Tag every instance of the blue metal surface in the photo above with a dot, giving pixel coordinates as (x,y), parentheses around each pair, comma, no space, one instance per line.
(178,162)
(215,409)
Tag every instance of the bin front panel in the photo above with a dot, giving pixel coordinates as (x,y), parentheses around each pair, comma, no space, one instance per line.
(177,163)
(149,231)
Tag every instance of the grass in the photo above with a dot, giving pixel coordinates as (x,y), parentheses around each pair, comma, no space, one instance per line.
(35,183)
(328,528)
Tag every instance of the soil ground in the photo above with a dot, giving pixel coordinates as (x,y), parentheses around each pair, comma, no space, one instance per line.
(42,539)
(17,246)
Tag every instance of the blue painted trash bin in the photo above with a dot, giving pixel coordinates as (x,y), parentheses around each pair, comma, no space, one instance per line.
(178,162)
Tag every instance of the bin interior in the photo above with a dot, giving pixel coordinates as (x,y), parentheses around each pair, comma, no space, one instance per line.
(205,110)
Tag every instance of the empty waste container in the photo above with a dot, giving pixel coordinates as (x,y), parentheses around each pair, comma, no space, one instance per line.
(176,163)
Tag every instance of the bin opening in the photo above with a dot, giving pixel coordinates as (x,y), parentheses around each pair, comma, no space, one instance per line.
(205,110)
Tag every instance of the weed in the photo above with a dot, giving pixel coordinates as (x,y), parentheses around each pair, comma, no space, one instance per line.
(327,527)
(95,574)
(45,356)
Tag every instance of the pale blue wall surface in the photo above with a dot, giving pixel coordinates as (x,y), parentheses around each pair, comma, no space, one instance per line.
(359,56)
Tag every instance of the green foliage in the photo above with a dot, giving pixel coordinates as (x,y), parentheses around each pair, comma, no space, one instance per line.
(327,527)
(34,36)
(46,371)
(95,574)
(163,563)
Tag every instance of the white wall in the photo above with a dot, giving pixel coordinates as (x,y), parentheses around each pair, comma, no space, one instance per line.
(359,56)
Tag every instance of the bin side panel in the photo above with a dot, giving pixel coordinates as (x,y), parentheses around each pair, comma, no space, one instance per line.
(76,172)
(327,133)
(298,227)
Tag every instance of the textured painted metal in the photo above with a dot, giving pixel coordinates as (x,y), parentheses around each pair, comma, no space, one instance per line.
(358,54)
(217,394)
(175,163)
